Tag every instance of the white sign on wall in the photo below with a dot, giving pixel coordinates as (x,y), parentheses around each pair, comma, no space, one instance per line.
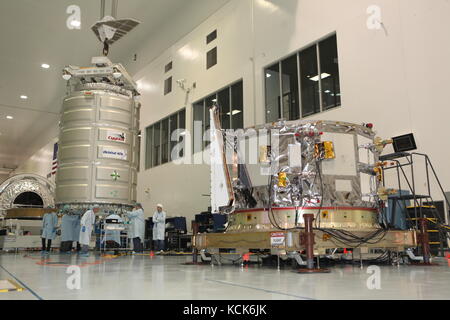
(112,153)
(116,136)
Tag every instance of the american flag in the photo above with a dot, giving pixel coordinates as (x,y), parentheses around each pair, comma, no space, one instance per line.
(55,159)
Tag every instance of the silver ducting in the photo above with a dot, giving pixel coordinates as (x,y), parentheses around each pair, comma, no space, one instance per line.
(19,184)
(280,171)
(310,163)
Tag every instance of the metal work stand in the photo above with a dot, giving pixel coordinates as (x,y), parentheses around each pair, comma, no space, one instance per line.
(112,226)
(419,200)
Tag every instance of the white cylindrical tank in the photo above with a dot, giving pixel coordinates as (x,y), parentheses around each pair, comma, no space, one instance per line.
(98,146)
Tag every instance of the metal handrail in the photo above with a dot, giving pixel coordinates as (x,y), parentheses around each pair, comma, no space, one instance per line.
(435,176)
(411,183)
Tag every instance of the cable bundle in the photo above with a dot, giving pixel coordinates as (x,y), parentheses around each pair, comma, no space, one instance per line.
(354,241)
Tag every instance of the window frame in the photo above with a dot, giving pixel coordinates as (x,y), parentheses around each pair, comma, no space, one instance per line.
(279,62)
(168,67)
(168,85)
(203,101)
(150,163)
(212,53)
(211,36)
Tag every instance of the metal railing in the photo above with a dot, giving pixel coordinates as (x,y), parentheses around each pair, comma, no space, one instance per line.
(420,199)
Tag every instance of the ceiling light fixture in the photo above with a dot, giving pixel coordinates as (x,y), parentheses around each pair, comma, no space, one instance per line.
(45,65)
(9,117)
(23,97)
(234,112)
(323,76)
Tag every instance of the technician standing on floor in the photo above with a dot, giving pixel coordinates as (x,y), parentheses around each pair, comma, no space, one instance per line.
(70,229)
(137,227)
(49,224)
(87,224)
(159,227)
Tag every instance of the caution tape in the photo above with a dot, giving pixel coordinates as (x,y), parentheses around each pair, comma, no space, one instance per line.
(17,287)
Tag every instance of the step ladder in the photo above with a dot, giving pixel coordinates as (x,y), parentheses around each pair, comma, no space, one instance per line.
(423,206)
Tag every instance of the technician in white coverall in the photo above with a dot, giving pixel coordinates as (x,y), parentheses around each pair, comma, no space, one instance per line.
(159,227)
(137,227)
(87,224)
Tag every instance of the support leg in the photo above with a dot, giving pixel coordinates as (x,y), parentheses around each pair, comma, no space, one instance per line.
(308,242)
(425,241)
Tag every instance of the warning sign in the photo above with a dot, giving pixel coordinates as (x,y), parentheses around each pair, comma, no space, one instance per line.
(278,240)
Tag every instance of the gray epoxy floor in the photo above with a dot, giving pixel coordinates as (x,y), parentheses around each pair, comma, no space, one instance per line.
(144,277)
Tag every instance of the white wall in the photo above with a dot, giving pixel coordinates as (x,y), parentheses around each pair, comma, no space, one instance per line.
(395,77)
(39,163)
(181,188)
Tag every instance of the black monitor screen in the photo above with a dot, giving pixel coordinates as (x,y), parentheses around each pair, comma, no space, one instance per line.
(404,143)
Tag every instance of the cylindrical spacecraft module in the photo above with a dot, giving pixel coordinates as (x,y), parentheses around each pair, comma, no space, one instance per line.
(98,154)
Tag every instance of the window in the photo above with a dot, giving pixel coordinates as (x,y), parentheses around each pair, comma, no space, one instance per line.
(230,102)
(168,67)
(173,125)
(177,125)
(181,130)
(199,125)
(303,84)
(329,65)
(223,100)
(165,141)
(149,147)
(168,86)
(310,81)
(237,106)
(211,37)
(287,82)
(289,79)
(211,58)
(159,144)
(273,99)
